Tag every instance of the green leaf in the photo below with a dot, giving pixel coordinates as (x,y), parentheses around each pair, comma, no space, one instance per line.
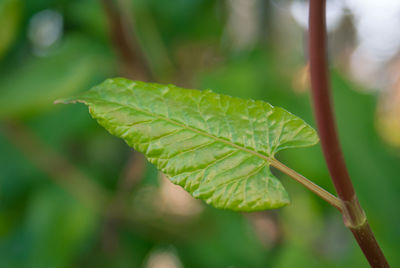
(33,86)
(10,19)
(217,147)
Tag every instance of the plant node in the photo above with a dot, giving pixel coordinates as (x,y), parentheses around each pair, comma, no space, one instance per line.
(353,215)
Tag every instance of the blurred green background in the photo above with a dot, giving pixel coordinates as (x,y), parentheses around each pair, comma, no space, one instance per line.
(71,195)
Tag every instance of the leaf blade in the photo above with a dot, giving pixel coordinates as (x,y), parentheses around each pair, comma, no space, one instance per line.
(217,147)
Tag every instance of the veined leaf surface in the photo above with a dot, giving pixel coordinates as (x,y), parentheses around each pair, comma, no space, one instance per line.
(219,148)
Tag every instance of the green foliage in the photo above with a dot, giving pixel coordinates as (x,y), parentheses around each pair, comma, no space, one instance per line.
(43,224)
(217,147)
(62,73)
(10,16)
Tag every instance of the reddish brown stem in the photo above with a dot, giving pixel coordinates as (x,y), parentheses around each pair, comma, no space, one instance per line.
(353,214)
(122,35)
(322,101)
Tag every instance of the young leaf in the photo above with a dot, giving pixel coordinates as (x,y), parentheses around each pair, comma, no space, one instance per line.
(217,147)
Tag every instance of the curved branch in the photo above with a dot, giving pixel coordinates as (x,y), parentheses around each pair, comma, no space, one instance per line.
(353,214)
(122,35)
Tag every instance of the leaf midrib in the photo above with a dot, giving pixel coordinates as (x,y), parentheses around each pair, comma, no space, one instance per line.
(198,131)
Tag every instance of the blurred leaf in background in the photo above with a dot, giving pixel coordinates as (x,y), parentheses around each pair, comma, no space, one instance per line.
(10,20)
(67,69)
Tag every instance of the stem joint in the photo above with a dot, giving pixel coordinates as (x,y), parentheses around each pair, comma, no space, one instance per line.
(353,215)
